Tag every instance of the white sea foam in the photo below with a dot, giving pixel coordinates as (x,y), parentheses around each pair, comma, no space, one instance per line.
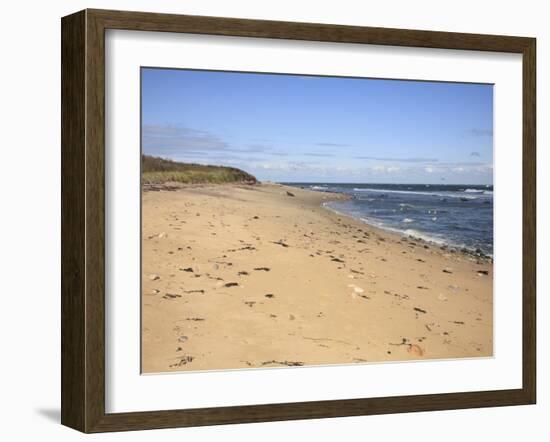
(381,225)
(431,238)
(414,192)
(425,237)
(474,191)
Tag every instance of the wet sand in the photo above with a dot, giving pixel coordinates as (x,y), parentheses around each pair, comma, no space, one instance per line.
(238,276)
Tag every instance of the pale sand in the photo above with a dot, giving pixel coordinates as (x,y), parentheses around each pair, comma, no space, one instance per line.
(247,276)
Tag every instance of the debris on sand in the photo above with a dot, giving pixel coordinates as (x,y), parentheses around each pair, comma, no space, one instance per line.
(183,361)
(247,247)
(250,303)
(419,310)
(280,243)
(262,269)
(215,278)
(269,295)
(356,289)
(188,269)
(154,277)
(231,284)
(287,363)
(404,341)
(483,272)
(447,270)
(171,296)
(415,350)
(289,193)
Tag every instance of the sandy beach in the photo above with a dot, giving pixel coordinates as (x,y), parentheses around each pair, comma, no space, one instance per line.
(255,276)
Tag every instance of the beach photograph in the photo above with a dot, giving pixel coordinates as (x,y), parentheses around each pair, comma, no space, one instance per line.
(299,220)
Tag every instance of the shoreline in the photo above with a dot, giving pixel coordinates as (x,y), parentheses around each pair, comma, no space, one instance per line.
(444,244)
(281,280)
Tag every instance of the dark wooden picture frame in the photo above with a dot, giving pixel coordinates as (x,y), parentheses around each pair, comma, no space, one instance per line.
(83,220)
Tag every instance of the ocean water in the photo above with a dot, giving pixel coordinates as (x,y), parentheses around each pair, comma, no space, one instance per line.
(456,215)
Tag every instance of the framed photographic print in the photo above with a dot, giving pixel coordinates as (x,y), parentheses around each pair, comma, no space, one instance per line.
(269,220)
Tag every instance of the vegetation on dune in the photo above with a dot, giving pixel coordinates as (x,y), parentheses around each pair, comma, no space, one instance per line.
(159,170)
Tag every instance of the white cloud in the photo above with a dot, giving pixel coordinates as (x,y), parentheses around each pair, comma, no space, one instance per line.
(385,169)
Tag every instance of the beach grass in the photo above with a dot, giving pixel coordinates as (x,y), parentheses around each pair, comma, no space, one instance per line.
(159,170)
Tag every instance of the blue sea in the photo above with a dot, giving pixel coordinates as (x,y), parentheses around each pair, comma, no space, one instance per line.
(459,216)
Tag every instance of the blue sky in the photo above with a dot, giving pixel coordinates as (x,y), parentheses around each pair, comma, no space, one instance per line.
(321,129)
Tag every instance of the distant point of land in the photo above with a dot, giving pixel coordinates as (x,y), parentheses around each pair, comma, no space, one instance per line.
(159,171)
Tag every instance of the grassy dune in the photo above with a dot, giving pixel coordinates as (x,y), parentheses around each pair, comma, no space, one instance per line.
(158,170)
